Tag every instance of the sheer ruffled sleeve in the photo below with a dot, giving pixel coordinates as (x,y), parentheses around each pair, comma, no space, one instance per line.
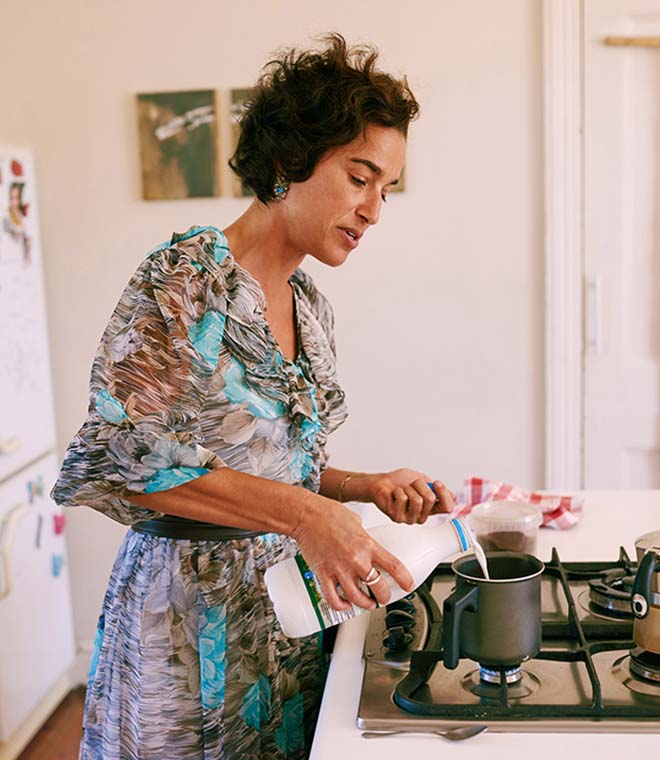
(149,380)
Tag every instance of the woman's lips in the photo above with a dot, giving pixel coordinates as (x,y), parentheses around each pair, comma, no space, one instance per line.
(352,242)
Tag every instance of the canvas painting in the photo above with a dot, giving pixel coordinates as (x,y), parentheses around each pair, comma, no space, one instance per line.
(178,144)
(238,98)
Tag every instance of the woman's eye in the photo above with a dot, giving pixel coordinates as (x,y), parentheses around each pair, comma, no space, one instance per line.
(362,183)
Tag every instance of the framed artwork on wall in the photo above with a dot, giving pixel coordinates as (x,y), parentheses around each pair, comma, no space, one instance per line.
(238,97)
(178,133)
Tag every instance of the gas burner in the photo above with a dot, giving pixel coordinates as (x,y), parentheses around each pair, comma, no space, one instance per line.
(494,675)
(610,594)
(526,684)
(645,665)
(623,671)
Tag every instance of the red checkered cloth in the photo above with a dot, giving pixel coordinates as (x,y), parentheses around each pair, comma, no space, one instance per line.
(559,512)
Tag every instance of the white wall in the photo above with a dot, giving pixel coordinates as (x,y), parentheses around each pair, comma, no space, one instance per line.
(439,312)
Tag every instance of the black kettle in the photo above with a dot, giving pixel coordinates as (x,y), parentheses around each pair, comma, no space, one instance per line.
(646,593)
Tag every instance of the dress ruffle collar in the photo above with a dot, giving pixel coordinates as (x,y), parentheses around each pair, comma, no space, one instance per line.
(243,303)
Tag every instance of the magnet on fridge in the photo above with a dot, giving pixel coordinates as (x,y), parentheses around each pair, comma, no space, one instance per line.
(40,521)
(57,565)
(35,488)
(59,521)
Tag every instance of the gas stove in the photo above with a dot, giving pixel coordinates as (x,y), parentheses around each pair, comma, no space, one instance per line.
(588,676)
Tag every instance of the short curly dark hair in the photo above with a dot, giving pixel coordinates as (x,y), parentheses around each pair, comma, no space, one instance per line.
(309,102)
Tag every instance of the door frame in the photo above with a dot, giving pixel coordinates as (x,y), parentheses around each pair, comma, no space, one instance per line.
(563,169)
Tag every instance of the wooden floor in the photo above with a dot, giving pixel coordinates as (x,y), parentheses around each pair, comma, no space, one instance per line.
(59,737)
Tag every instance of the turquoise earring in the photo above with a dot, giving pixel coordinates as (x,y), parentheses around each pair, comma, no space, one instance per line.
(281,188)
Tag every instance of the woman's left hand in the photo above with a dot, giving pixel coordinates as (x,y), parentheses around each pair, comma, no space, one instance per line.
(405,497)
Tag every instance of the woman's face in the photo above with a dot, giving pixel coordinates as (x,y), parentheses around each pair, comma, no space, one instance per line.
(326,215)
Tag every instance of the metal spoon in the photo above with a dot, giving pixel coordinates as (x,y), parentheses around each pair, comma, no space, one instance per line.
(453,734)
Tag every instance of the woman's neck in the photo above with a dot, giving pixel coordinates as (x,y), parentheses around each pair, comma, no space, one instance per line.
(259,243)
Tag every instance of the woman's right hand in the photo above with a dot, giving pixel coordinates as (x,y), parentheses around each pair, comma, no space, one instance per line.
(341,553)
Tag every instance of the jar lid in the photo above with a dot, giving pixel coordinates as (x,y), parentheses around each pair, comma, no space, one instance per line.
(507,515)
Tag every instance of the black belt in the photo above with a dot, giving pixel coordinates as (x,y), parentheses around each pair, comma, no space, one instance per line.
(170,526)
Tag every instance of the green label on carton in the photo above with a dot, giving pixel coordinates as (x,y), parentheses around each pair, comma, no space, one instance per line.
(325,614)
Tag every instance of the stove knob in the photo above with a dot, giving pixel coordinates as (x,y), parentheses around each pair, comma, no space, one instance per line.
(399,618)
(406,604)
(397,638)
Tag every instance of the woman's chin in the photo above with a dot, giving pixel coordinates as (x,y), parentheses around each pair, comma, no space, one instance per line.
(334,258)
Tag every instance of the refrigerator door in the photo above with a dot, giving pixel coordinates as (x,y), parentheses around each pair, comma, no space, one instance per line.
(26,406)
(36,630)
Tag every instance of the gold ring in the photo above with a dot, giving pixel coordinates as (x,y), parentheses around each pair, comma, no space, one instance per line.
(373,576)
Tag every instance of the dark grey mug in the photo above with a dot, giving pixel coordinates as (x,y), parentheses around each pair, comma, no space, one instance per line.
(494,622)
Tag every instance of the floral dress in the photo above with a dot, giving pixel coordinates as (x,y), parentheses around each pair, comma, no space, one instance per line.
(189,661)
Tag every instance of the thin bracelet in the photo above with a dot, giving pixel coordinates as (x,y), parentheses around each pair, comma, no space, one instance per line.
(342,485)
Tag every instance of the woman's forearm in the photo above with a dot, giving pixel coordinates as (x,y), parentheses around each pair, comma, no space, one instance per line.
(354,485)
(330,536)
(233,498)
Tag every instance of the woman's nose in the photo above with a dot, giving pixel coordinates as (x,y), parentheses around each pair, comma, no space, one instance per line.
(370,210)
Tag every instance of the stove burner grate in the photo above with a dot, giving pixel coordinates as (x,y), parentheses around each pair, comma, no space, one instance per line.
(504,701)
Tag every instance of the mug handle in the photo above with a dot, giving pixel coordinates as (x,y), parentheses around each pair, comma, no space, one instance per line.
(465,598)
(641,590)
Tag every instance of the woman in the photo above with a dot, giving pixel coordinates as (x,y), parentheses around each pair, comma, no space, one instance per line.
(212,396)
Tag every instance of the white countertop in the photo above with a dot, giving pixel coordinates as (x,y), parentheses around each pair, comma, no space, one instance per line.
(610,519)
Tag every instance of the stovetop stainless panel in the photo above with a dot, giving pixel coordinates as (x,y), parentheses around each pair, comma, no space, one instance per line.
(546,685)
